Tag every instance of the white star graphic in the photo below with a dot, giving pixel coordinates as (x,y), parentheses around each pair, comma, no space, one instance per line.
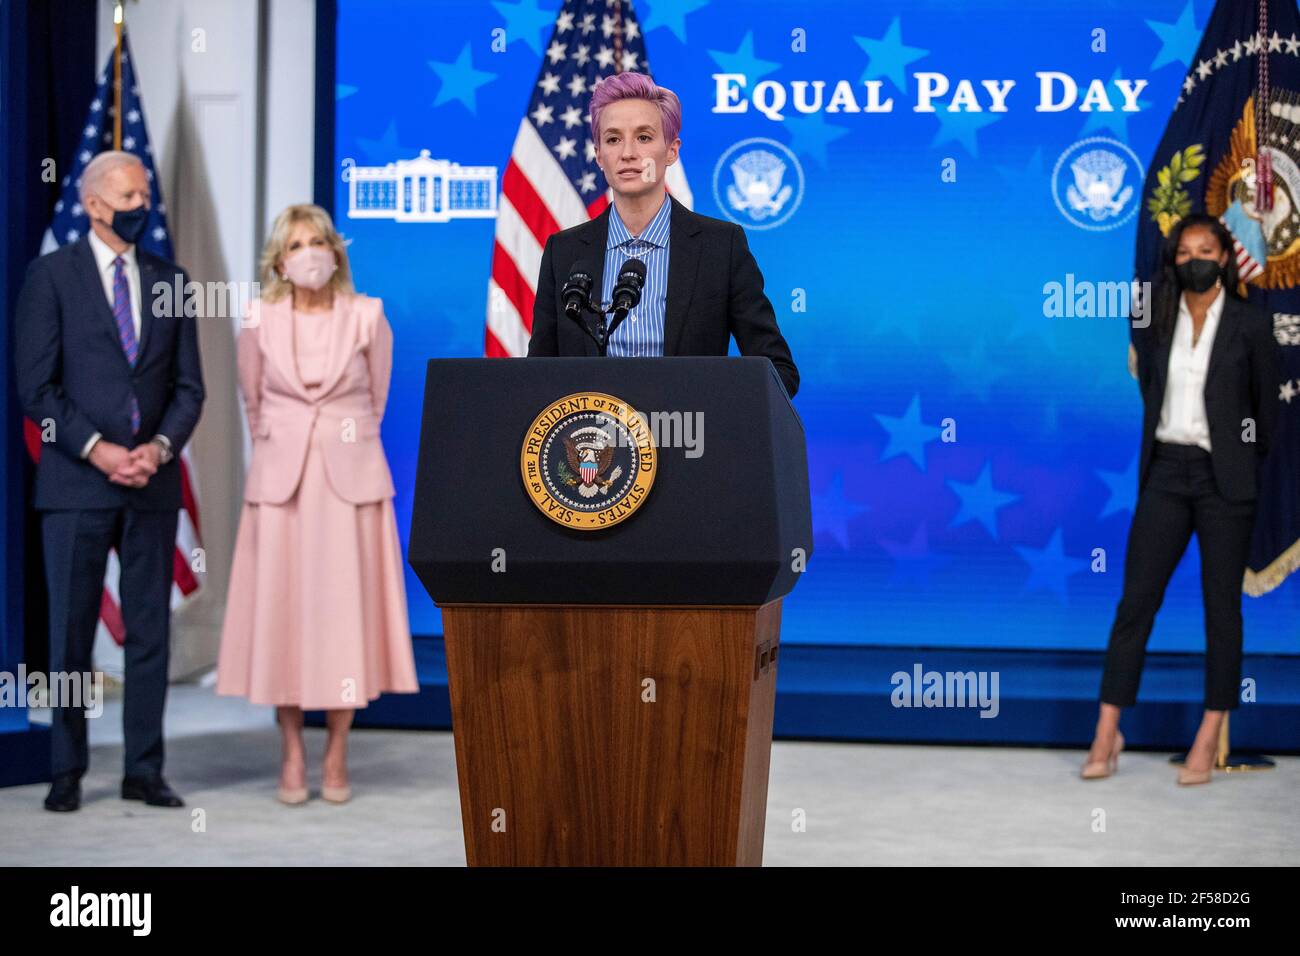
(605,57)
(76,209)
(1221,58)
(588,23)
(571,117)
(587,183)
(1293,44)
(133,116)
(1236,51)
(1275,43)
(582,55)
(631,29)
(577,85)
(629,60)
(1287,392)
(564,22)
(607,26)
(89,131)
(1204,69)
(550,83)
(96,105)
(128,143)
(1188,84)
(565,147)
(542,115)
(591,151)
(556,51)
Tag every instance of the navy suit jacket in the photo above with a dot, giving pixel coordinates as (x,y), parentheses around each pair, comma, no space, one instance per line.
(715,291)
(72,372)
(1240,384)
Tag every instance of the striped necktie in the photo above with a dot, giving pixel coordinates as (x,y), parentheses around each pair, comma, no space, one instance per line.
(125,329)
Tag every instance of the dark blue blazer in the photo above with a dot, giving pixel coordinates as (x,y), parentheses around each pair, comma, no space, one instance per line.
(72,371)
(1240,383)
(715,292)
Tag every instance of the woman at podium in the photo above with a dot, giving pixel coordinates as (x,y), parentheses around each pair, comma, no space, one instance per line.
(316,616)
(701,287)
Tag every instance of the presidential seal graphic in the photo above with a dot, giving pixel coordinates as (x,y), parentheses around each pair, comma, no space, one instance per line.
(588,461)
(1267,234)
(1101,192)
(759,195)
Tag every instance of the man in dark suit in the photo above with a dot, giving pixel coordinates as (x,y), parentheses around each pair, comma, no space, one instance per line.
(702,284)
(108,368)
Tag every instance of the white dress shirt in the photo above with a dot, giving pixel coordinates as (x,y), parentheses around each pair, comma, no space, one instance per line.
(1182,415)
(104,257)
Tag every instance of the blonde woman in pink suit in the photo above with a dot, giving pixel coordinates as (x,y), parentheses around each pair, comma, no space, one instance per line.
(316,618)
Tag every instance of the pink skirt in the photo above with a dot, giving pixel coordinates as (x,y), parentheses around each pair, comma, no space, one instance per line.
(316,614)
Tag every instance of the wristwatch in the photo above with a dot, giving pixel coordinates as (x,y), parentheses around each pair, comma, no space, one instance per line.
(165,446)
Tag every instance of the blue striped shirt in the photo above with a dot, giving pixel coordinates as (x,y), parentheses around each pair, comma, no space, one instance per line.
(642,332)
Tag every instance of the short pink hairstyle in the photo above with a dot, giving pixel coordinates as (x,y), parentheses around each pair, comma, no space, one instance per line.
(637,86)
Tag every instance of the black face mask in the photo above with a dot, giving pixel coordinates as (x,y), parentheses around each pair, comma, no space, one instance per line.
(129,224)
(1198,274)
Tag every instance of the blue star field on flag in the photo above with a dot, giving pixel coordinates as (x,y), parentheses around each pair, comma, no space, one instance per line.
(70,221)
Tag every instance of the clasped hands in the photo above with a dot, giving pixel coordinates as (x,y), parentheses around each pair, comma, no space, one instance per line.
(132,467)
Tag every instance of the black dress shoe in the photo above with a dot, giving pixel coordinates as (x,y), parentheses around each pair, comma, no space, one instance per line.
(65,794)
(153,791)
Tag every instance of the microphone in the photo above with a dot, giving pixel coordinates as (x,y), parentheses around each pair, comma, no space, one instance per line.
(576,293)
(627,288)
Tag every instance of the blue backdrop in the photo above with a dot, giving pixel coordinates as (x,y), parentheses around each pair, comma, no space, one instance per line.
(971,455)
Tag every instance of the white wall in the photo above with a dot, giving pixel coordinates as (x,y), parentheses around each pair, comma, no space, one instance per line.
(221,126)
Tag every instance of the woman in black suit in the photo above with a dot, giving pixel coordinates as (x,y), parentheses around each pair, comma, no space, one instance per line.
(1207,366)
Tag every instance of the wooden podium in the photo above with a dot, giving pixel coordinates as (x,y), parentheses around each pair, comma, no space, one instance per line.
(612,690)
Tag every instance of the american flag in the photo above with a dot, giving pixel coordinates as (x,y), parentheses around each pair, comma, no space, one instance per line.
(552,181)
(69,224)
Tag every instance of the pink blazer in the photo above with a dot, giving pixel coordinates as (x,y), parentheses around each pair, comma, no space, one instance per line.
(342,416)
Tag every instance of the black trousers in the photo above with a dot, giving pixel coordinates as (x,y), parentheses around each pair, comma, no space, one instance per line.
(1179,497)
(76,552)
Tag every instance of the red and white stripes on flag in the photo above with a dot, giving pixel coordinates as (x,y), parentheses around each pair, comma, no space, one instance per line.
(552,181)
(1247,266)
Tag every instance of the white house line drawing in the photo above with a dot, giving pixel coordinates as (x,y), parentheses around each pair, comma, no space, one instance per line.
(421,190)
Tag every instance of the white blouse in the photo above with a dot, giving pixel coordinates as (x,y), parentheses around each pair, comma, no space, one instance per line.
(1182,416)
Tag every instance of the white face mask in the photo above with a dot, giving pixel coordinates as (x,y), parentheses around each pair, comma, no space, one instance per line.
(310,267)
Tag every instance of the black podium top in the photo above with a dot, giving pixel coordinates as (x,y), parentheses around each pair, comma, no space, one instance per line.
(725,519)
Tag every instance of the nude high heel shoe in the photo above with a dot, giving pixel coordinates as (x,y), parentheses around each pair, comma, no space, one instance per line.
(1100,769)
(336,794)
(291,797)
(1189,778)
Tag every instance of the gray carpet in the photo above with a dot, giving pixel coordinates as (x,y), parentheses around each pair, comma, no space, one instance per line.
(863,804)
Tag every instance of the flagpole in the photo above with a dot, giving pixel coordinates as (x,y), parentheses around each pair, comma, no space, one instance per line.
(117,75)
